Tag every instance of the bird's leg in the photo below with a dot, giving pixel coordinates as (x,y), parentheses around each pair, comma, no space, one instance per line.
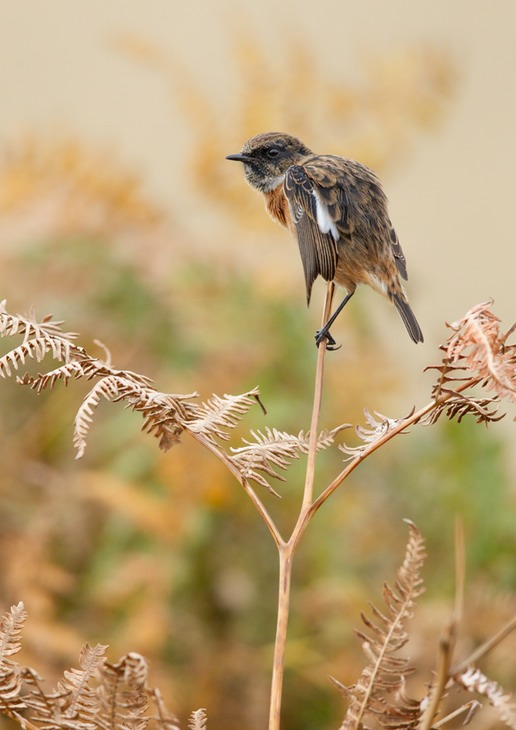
(324,332)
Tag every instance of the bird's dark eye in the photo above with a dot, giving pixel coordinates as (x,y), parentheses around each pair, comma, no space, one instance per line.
(273,152)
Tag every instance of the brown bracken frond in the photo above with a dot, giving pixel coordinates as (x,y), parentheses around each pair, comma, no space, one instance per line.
(220,413)
(73,703)
(10,631)
(475,681)
(273,449)
(122,694)
(39,338)
(10,673)
(75,685)
(377,427)
(97,695)
(165,415)
(459,405)
(162,717)
(476,350)
(478,340)
(198,719)
(380,690)
(477,356)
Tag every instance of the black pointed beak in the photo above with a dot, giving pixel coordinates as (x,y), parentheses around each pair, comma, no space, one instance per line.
(239,158)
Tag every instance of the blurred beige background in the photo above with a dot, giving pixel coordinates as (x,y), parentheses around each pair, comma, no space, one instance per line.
(65,73)
(452,192)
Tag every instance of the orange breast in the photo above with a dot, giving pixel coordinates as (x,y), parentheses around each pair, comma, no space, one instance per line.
(277,205)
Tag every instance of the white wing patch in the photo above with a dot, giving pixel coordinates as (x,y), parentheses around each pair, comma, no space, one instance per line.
(324,220)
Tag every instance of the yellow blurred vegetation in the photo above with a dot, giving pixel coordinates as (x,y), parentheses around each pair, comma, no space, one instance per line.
(375,120)
(85,189)
(161,554)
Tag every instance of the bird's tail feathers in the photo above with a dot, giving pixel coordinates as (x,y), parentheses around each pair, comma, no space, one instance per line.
(408,317)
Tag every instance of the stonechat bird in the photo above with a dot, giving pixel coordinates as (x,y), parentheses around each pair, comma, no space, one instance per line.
(337,210)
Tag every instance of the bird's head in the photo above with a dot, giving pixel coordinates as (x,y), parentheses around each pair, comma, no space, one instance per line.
(267,157)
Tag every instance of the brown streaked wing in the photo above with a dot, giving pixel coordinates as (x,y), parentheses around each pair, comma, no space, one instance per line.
(399,256)
(318,250)
(332,176)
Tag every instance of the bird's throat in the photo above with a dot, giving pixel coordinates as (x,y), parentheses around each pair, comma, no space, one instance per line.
(277,206)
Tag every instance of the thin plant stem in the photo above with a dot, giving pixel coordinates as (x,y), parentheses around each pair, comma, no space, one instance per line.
(484,648)
(446,647)
(286,550)
(219,453)
(278,668)
(309,506)
(470,708)
(402,425)
(316,408)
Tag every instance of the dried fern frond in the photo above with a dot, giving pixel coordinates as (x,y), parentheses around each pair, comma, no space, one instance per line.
(39,338)
(477,355)
(64,373)
(380,689)
(378,426)
(484,348)
(122,693)
(97,695)
(476,351)
(163,718)
(198,719)
(74,703)
(29,327)
(165,415)
(10,631)
(80,698)
(80,365)
(459,405)
(273,449)
(217,414)
(35,349)
(11,677)
(475,681)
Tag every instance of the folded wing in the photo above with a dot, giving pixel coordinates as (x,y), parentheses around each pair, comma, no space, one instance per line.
(316,231)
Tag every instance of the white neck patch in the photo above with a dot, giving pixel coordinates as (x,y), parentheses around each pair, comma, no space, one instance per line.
(273,183)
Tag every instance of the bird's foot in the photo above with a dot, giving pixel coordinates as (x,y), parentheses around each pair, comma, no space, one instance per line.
(323,334)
